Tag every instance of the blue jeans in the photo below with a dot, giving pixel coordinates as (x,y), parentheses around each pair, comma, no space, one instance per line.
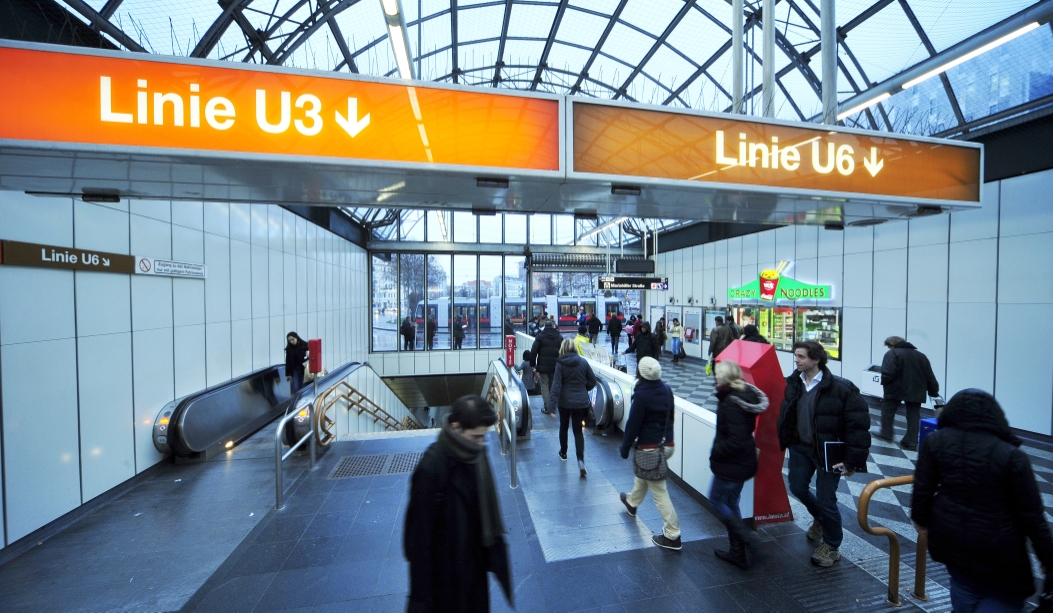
(967,597)
(296,383)
(724,496)
(676,347)
(823,504)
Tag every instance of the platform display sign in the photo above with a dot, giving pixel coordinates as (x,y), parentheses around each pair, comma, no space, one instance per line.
(131,100)
(729,149)
(633,283)
(772,286)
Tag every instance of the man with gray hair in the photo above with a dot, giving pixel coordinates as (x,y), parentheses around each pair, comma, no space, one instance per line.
(905,376)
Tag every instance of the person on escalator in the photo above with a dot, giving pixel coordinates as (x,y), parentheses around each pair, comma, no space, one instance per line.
(453,534)
(571,385)
(295,356)
(581,339)
(649,435)
(526,371)
(733,459)
(545,354)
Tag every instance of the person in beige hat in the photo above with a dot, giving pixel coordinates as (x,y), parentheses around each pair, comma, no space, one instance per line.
(649,434)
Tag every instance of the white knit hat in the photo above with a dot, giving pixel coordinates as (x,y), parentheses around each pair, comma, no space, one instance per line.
(649,369)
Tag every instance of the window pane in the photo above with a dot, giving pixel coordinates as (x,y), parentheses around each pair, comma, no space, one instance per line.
(439,308)
(515,229)
(464,227)
(490,302)
(439,226)
(490,228)
(822,325)
(540,229)
(385,306)
(465,286)
(582,226)
(515,293)
(411,298)
(564,230)
(781,328)
(412,226)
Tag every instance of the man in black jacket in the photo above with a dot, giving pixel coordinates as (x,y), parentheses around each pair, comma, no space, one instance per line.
(976,497)
(818,408)
(645,344)
(545,352)
(905,376)
(719,338)
(454,534)
(595,325)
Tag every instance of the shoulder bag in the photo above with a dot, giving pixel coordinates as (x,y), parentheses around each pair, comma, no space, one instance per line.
(650,464)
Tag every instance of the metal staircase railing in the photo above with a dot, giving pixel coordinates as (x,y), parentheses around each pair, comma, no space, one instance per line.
(893,542)
(357,401)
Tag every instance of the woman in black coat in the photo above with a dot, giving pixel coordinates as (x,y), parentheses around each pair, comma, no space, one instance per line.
(295,356)
(570,391)
(976,496)
(733,459)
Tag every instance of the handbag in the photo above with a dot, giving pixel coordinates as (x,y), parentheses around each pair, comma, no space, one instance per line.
(650,464)
(682,353)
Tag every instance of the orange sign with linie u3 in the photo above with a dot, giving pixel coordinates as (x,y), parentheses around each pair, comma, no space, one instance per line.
(128,101)
(729,149)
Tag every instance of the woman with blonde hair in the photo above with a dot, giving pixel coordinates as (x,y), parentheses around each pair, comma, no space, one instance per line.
(571,384)
(733,459)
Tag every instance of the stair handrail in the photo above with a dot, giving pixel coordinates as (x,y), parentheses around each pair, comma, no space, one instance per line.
(497,393)
(355,400)
(893,542)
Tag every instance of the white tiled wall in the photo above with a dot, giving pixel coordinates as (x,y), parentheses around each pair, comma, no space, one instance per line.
(114,349)
(970,289)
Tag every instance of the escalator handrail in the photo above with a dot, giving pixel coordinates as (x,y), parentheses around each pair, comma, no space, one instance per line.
(323,384)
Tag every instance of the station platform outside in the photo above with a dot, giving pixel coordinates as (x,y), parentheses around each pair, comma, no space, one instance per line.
(205,537)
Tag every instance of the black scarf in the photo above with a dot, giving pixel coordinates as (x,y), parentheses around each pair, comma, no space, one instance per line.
(489,512)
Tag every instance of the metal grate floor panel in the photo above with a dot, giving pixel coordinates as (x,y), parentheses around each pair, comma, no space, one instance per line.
(359,466)
(405,462)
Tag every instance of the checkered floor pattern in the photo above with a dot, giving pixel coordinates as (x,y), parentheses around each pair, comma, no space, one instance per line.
(889,507)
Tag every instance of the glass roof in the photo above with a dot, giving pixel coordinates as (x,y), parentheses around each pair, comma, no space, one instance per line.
(672,52)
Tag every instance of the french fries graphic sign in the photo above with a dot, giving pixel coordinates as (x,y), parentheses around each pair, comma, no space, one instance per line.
(772,286)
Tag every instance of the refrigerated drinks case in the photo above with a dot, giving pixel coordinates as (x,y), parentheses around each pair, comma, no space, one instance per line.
(782,328)
(822,325)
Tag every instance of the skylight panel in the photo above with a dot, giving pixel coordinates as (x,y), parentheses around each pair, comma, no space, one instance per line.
(565,57)
(159,29)
(531,21)
(668,67)
(948,22)
(697,37)
(479,23)
(605,7)
(524,52)
(651,15)
(436,34)
(872,43)
(627,44)
(581,28)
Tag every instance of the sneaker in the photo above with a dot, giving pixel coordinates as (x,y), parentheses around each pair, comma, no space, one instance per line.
(562,455)
(667,543)
(581,467)
(815,533)
(825,556)
(628,507)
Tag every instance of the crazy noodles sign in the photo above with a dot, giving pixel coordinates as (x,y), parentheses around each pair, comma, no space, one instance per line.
(772,286)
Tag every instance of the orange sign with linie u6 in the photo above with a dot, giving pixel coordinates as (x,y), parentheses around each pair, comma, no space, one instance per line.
(129,101)
(731,149)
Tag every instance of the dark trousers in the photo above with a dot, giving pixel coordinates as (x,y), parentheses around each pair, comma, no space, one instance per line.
(592,337)
(889,408)
(572,418)
(969,598)
(615,339)
(407,343)
(295,382)
(457,342)
(724,496)
(823,504)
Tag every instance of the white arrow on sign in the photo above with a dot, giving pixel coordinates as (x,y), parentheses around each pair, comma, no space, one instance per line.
(873,164)
(105,261)
(351,124)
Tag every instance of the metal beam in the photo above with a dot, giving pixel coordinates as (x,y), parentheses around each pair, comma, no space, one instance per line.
(1037,13)
(829,47)
(453,42)
(599,44)
(656,46)
(932,51)
(701,70)
(543,62)
(253,36)
(325,13)
(349,59)
(109,8)
(501,47)
(104,25)
(218,28)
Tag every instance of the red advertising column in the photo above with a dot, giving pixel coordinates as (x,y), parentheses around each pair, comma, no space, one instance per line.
(760,366)
(510,350)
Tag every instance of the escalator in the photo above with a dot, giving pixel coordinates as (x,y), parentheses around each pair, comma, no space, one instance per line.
(200,426)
